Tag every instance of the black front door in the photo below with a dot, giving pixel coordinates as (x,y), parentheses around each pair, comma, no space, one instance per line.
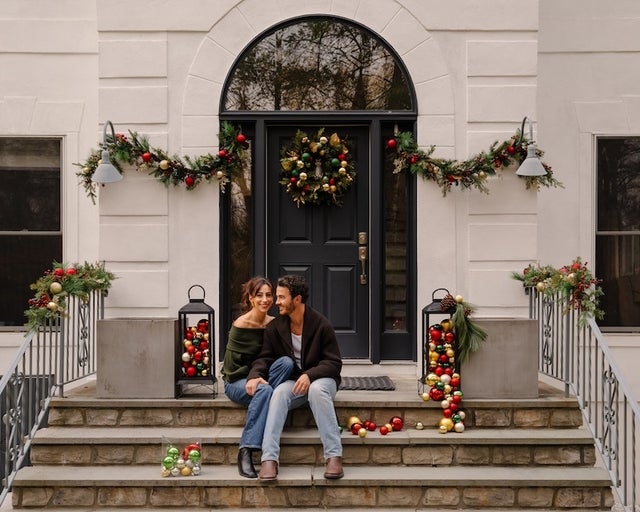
(329,245)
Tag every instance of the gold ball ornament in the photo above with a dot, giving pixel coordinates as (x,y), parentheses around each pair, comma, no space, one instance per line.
(446,423)
(432,378)
(540,286)
(185,471)
(442,429)
(459,299)
(219,175)
(87,170)
(52,306)
(303,176)
(164,164)
(447,389)
(55,287)
(352,421)
(362,432)
(425,396)
(164,472)
(419,426)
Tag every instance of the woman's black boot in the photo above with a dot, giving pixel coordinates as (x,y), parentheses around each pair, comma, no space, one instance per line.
(245,463)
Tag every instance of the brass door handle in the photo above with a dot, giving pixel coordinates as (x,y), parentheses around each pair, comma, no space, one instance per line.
(363,256)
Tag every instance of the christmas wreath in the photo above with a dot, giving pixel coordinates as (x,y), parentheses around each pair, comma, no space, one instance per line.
(61,282)
(471,173)
(317,170)
(170,170)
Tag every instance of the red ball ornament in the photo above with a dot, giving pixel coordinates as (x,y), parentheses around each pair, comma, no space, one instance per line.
(71,271)
(435,334)
(384,430)
(222,153)
(293,180)
(189,181)
(59,272)
(447,413)
(342,156)
(449,336)
(396,423)
(436,394)
(439,371)
(455,382)
(511,150)
(189,335)
(392,143)
(191,371)
(456,399)
(413,159)
(240,138)
(146,157)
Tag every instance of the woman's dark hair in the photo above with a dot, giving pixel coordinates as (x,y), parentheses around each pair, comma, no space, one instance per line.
(296,286)
(251,288)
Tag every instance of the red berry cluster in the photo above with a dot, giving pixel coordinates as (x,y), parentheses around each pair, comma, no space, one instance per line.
(195,358)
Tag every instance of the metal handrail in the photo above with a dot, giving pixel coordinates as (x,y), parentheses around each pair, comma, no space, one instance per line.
(50,357)
(577,354)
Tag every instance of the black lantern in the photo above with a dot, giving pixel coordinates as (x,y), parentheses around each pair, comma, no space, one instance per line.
(435,309)
(195,345)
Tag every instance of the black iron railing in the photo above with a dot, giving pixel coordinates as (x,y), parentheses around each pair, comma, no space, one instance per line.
(577,354)
(50,357)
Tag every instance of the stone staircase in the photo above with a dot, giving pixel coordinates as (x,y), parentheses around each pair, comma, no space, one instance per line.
(103,454)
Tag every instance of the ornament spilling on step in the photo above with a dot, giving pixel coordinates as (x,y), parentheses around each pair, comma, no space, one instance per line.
(442,383)
(185,462)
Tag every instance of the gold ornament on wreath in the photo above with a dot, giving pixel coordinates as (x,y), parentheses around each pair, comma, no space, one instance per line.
(317,170)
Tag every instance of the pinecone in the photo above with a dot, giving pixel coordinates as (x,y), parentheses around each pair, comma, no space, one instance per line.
(447,302)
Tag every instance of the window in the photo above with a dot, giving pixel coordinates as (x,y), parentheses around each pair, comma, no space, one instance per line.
(618,231)
(30,229)
(318,64)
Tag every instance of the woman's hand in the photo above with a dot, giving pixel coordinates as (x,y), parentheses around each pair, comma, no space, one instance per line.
(252,385)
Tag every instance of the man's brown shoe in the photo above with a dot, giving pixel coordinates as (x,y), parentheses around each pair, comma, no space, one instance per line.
(333,471)
(268,471)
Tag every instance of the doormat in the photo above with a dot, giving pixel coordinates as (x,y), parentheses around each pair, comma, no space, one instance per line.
(382,383)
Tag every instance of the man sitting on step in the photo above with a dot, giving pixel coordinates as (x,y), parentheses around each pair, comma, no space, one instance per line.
(309,338)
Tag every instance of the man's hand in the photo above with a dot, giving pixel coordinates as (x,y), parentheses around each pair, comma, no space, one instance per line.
(252,385)
(301,387)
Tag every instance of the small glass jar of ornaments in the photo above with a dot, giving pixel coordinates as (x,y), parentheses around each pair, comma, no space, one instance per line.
(181,459)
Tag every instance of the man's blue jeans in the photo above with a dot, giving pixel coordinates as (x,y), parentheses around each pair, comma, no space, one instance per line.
(320,398)
(258,404)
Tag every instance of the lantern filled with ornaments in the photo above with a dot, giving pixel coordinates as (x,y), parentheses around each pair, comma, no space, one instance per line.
(447,343)
(195,344)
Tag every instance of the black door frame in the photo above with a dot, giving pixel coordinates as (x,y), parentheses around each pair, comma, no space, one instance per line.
(381,124)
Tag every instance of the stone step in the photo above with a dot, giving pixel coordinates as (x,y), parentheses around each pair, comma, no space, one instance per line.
(144,445)
(546,412)
(377,487)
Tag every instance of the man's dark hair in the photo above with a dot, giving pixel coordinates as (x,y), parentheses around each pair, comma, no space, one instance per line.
(296,286)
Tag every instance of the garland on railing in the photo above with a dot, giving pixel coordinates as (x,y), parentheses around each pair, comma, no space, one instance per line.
(471,173)
(574,281)
(170,170)
(60,282)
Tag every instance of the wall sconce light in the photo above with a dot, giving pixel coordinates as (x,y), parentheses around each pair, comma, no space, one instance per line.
(531,166)
(106,171)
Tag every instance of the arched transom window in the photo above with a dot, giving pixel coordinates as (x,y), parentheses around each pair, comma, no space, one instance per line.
(318,64)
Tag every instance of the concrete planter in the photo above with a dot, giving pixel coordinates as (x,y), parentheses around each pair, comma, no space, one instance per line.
(136,358)
(506,365)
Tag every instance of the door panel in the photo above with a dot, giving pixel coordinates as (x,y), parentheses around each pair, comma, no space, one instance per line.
(321,242)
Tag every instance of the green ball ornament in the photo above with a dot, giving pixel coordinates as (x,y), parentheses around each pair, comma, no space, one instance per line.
(294,173)
(306,157)
(168,462)
(335,162)
(194,455)
(173,452)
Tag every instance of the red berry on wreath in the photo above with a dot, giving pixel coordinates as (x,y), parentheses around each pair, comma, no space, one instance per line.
(189,181)
(240,138)
(146,157)
(392,143)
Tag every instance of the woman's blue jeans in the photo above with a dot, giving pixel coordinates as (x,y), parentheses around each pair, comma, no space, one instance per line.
(320,397)
(258,404)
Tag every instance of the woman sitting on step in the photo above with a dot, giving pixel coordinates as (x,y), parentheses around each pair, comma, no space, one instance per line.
(243,346)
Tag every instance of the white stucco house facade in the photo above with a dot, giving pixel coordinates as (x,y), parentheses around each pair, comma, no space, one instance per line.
(476,69)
